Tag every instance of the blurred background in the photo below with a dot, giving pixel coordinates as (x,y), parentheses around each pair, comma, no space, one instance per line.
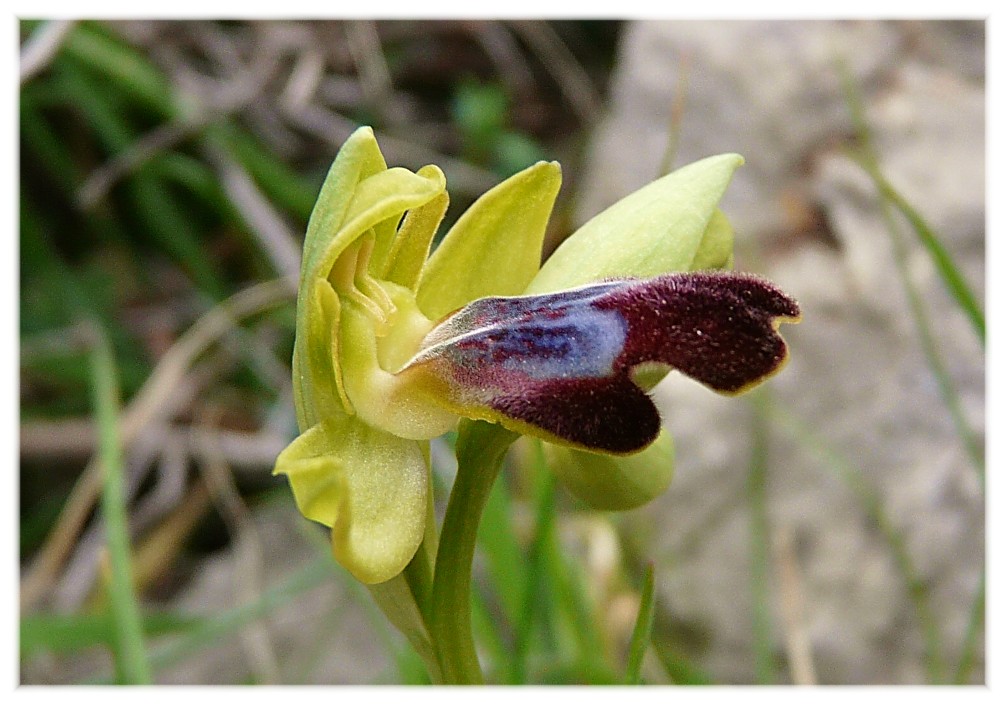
(828,528)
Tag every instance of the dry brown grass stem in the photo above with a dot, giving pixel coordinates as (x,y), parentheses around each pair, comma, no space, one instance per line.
(159,398)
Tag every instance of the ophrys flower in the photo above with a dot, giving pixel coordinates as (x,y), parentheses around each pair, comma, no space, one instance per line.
(393,346)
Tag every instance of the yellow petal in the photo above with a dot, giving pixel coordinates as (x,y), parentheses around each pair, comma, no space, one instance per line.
(401,405)
(414,239)
(358,159)
(410,248)
(360,198)
(322,396)
(368,486)
(494,248)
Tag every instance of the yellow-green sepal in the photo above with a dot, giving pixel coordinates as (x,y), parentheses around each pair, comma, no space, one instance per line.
(655,230)
(715,250)
(360,199)
(360,193)
(358,159)
(368,486)
(378,203)
(494,248)
(612,482)
(318,391)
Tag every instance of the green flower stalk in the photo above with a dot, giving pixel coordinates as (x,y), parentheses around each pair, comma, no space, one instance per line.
(394,346)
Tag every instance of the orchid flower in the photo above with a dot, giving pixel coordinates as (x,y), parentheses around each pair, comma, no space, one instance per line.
(393,345)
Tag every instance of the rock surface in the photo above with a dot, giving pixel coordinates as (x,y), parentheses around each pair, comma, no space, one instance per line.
(858,383)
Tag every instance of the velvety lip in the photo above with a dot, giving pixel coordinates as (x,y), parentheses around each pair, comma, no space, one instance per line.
(563,362)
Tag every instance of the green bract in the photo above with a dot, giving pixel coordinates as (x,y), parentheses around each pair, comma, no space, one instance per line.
(369,294)
(614,483)
(672,224)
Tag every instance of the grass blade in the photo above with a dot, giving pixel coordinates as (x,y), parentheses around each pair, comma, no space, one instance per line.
(131,660)
(946,386)
(284,187)
(210,631)
(121,65)
(965,299)
(404,654)
(533,582)
(503,554)
(867,159)
(977,616)
(565,605)
(949,271)
(488,635)
(679,670)
(763,649)
(169,225)
(71,633)
(871,502)
(642,628)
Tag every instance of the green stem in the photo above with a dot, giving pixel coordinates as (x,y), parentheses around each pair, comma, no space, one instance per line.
(480,449)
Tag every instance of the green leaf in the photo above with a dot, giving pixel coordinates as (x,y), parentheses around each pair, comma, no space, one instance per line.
(494,248)
(656,230)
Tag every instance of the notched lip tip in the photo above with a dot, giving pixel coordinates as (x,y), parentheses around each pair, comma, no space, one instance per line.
(749,386)
(778,320)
